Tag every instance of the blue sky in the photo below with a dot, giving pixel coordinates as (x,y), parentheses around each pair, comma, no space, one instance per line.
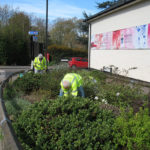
(57,8)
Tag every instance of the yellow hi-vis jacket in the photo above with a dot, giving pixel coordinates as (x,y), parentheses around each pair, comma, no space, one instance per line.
(75,80)
(39,65)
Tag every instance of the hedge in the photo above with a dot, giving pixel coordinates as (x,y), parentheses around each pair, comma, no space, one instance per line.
(57,52)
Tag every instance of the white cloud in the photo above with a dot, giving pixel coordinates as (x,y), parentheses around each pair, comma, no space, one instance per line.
(56,9)
(67,11)
(29,8)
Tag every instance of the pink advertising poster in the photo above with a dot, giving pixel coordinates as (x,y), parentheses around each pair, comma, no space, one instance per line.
(96,41)
(137,37)
(101,41)
(93,43)
(107,41)
(116,39)
(127,38)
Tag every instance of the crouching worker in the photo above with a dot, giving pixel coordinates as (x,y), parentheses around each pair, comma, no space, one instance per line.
(40,64)
(71,84)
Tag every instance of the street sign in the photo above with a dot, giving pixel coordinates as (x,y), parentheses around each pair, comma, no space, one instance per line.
(35,38)
(33,32)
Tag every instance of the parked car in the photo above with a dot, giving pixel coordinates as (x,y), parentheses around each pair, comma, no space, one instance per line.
(78,62)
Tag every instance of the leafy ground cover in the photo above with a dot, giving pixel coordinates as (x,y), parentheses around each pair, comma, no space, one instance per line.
(114,115)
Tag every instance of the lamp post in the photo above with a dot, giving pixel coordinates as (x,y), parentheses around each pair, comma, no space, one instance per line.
(46,30)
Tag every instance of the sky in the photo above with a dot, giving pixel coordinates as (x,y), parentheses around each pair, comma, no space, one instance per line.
(56,8)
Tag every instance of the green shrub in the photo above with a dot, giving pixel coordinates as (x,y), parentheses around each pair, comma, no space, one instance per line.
(69,123)
(132,131)
(33,82)
(9,91)
(122,94)
(28,82)
(94,84)
(15,106)
(51,82)
(58,52)
(78,123)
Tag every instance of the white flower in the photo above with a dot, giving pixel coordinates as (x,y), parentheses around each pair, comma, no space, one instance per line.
(96,98)
(117,94)
(104,101)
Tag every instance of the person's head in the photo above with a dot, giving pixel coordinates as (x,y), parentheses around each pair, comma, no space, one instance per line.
(66,84)
(40,57)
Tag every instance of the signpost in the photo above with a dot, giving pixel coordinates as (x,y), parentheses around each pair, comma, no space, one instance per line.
(33,39)
(46,42)
(33,32)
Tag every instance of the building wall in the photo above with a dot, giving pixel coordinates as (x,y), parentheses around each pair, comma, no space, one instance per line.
(133,63)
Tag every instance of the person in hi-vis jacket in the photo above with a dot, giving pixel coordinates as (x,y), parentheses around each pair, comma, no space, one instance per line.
(71,84)
(40,64)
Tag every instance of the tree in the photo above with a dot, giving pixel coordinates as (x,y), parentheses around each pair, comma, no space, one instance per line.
(14,38)
(5,14)
(72,33)
(106,4)
(64,32)
(39,25)
(83,30)
(17,39)
(3,57)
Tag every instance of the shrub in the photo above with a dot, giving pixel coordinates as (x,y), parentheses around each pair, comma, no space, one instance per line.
(28,82)
(132,131)
(9,91)
(15,106)
(122,94)
(69,123)
(79,123)
(58,52)
(94,84)
(33,82)
(51,82)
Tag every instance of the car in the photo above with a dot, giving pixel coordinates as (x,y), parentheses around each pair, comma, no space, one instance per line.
(78,62)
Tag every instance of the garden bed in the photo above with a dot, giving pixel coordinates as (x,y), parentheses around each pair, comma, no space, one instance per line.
(114,115)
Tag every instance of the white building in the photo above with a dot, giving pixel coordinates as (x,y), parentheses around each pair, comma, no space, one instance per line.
(119,37)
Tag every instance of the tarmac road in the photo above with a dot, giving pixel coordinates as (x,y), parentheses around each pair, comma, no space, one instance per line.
(5,71)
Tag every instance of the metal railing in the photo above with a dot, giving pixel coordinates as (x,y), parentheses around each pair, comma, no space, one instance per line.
(9,139)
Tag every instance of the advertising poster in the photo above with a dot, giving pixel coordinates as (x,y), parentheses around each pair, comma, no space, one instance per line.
(127,36)
(116,39)
(137,37)
(141,37)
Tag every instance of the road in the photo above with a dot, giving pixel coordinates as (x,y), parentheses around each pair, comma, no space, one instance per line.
(5,71)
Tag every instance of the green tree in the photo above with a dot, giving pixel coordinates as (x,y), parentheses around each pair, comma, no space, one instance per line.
(67,32)
(83,28)
(5,15)
(3,57)
(106,4)
(64,32)
(16,34)
(39,25)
